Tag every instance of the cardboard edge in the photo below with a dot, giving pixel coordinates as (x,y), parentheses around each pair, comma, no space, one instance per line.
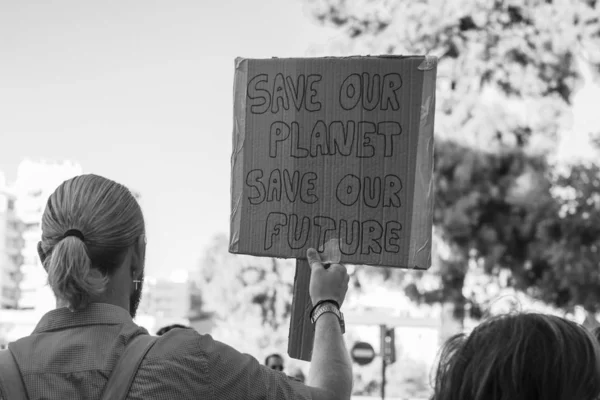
(237,154)
(368,56)
(343,260)
(422,216)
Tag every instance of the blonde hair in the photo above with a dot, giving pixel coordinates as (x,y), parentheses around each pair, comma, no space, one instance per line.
(111,221)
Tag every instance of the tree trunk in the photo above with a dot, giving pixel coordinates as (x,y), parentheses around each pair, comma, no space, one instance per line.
(450,324)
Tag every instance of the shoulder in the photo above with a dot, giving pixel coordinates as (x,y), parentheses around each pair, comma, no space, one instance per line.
(187,344)
(177,366)
(180,342)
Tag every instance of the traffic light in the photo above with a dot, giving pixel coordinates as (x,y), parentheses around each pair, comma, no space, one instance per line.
(388,344)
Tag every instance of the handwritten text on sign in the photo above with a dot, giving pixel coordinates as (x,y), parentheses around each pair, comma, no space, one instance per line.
(327,155)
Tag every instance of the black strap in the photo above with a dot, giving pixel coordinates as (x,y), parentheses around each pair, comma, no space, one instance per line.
(11,382)
(122,376)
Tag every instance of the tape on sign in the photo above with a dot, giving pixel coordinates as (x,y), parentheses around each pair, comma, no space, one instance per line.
(428,63)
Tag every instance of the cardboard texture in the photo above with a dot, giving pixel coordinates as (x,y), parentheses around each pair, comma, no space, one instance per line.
(333,148)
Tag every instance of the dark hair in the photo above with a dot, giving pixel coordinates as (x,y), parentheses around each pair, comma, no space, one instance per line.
(167,328)
(271,356)
(110,221)
(523,356)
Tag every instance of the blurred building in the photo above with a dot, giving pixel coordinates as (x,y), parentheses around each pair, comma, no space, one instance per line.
(11,244)
(166,301)
(34,184)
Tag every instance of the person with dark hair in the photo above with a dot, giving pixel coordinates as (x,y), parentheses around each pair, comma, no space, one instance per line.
(274,361)
(168,328)
(93,248)
(524,356)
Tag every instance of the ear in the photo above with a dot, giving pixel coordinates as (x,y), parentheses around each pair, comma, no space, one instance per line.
(41,254)
(139,258)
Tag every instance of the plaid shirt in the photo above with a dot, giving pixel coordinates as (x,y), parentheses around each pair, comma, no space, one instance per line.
(70,356)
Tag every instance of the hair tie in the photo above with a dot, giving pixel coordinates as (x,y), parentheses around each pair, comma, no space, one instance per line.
(74,232)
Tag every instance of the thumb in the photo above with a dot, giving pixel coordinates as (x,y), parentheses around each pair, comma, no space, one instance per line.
(314,260)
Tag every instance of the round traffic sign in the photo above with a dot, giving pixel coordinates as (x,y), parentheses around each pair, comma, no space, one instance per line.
(362,353)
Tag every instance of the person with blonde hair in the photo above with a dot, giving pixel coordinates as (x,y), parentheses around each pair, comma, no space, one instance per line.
(520,356)
(93,248)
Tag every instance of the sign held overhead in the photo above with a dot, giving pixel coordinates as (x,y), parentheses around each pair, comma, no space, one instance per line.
(334,148)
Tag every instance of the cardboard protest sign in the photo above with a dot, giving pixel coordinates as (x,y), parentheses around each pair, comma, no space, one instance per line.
(335,154)
(334,148)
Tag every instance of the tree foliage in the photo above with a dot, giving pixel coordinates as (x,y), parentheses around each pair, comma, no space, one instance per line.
(488,209)
(497,58)
(564,268)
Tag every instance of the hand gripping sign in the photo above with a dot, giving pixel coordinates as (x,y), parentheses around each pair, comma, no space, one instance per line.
(301,330)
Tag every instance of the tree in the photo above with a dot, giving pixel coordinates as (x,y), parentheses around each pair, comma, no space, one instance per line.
(198,310)
(497,58)
(563,269)
(488,208)
(506,76)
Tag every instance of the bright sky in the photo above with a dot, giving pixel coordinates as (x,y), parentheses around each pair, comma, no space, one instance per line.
(140,92)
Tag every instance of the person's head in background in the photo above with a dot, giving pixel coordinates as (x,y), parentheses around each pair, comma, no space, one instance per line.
(274,361)
(168,328)
(93,244)
(520,357)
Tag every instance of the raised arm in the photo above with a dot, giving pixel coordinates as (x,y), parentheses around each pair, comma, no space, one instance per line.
(330,375)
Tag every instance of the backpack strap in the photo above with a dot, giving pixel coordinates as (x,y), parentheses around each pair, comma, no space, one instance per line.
(11,382)
(121,378)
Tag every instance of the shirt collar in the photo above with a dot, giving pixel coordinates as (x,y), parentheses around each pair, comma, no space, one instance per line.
(93,314)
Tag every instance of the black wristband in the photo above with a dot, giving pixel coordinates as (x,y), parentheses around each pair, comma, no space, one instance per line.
(335,303)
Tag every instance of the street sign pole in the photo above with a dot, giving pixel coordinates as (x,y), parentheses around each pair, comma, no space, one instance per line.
(383,362)
(388,352)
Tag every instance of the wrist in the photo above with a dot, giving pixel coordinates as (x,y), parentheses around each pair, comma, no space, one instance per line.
(326,319)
